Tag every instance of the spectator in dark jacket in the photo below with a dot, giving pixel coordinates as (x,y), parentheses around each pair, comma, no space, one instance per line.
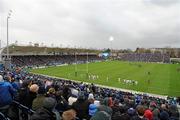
(105,107)
(173,112)
(66,92)
(6,96)
(23,92)
(115,107)
(45,112)
(32,95)
(101,115)
(164,115)
(81,106)
(38,101)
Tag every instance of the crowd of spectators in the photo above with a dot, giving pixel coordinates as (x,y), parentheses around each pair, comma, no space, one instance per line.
(58,99)
(146,57)
(42,60)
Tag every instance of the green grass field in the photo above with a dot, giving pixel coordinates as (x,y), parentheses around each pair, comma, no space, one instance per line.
(164,78)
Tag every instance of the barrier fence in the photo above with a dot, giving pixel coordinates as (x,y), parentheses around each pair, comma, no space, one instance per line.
(18,111)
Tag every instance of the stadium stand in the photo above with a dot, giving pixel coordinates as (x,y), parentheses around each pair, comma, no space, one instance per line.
(45,60)
(145,57)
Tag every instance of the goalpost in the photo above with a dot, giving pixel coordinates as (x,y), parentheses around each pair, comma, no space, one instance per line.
(86,70)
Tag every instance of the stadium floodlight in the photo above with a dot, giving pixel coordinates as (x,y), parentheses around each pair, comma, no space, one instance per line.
(7,54)
(111,38)
(8,17)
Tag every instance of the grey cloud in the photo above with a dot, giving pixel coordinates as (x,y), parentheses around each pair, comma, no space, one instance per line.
(90,23)
(162,2)
(2,7)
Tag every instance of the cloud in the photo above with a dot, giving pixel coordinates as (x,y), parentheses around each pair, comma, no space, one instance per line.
(90,23)
(163,3)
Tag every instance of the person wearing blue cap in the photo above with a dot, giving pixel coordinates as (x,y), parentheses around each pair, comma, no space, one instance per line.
(92,109)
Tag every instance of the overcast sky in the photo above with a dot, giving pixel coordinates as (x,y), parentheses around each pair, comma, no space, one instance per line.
(90,23)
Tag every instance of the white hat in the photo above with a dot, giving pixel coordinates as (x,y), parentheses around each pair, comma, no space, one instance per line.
(1,78)
(91,96)
(71,100)
(97,103)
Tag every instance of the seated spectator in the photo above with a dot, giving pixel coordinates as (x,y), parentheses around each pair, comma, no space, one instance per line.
(148,114)
(51,93)
(69,115)
(110,102)
(81,106)
(7,92)
(15,83)
(66,92)
(131,112)
(104,106)
(124,116)
(92,109)
(101,115)
(156,114)
(164,107)
(45,112)
(173,112)
(91,98)
(38,101)
(62,104)
(164,115)
(115,107)
(140,113)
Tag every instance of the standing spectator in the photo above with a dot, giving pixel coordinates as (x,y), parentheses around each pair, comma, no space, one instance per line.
(6,96)
(32,95)
(23,92)
(38,101)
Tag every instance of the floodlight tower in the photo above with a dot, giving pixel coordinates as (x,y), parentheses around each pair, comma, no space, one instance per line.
(7,60)
(8,17)
(111,39)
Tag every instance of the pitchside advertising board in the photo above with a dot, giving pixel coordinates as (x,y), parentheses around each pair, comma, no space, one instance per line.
(104,55)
